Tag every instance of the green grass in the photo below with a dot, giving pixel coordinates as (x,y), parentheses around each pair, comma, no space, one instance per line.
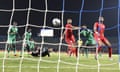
(67,64)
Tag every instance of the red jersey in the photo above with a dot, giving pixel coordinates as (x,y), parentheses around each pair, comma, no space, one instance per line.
(100,29)
(68,31)
(69,37)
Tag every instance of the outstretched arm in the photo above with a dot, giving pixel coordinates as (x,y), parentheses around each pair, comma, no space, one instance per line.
(75,27)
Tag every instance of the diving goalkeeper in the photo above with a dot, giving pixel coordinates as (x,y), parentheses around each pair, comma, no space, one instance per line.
(90,38)
(41,52)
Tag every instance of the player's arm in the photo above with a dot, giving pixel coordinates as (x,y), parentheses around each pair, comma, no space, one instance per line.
(75,27)
(12,32)
(23,36)
(9,29)
(95,27)
(96,33)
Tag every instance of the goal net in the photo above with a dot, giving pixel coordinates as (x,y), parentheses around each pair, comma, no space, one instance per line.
(37,15)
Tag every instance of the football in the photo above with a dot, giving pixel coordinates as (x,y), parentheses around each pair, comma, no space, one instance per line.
(56,21)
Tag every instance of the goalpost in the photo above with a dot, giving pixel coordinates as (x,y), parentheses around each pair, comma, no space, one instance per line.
(61,43)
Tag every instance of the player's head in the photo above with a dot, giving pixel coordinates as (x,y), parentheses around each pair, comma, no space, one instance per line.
(69,21)
(84,26)
(15,23)
(101,19)
(29,30)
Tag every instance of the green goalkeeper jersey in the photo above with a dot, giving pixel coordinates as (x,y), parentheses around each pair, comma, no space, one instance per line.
(12,32)
(89,35)
(28,39)
(28,35)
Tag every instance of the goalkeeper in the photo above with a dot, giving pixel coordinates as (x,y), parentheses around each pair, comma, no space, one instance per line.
(11,40)
(90,38)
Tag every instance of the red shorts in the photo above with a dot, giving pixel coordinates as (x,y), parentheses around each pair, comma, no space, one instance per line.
(99,38)
(103,39)
(70,40)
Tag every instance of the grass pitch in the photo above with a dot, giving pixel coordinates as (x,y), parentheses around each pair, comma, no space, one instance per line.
(53,64)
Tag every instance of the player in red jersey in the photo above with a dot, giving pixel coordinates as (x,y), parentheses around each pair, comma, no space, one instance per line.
(99,29)
(69,37)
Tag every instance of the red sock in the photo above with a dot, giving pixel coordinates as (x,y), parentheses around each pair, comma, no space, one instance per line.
(99,49)
(110,52)
(76,52)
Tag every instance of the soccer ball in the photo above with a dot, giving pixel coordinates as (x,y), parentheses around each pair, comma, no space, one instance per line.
(56,22)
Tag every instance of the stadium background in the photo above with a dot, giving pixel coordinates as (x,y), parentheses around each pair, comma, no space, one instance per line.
(72,8)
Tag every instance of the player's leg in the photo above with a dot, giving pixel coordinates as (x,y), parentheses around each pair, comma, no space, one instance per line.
(69,49)
(9,46)
(99,42)
(98,48)
(14,45)
(79,44)
(106,41)
(28,49)
(75,50)
(86,52)
(82,51)
(14,48)
(87,43)
(69,46)
(21,50)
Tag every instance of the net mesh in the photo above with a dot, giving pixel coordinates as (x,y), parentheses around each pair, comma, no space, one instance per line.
(39,16)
